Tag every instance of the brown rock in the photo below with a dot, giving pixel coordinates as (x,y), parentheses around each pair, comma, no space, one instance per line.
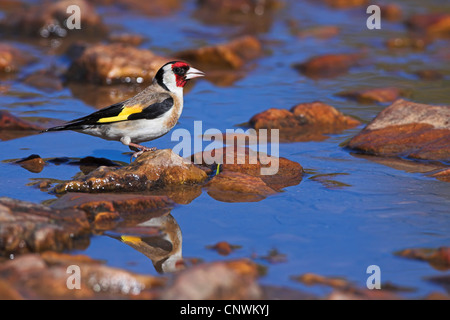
(310,279)
(232,186)
(329,65)
(152,8)
(387,94)
(36,277)
(250,16)
(28,227)
(429,74)
(12,59)
(152,170)
(33,163)
(127,38)
(408,129)
(10,122)
(115,63)
(276,173)
(229,280)
(49,20)
(115,210)
(443,175)
(437,258)
(12,127)
(409,42)
(321,32)
(45,80)
(304,122)
(391,12)
(247,7)
(343,4)
(231,55)
(437,24)
(224,248)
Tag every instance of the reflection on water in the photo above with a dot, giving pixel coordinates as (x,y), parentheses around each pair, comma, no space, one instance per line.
(165,250)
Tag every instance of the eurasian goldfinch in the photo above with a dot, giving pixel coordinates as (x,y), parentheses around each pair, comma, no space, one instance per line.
(148,115)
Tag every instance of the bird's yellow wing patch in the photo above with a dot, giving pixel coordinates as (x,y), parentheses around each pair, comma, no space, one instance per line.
(123,115)
(130,239)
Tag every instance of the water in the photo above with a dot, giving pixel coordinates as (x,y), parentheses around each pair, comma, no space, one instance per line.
(369,210)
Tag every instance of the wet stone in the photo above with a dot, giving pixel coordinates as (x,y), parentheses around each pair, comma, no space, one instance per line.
(111,211)
(436,24)
(115,63)
(304,122)
(49,20)
(45,276)
(227,280)
(387,94)
(232,54)
(12,59)
(33,163)
(150,171)
(272,173)
(28,227)
(407,129)
(329,65)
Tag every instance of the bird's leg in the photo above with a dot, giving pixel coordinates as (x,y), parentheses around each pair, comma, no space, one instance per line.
(139,149)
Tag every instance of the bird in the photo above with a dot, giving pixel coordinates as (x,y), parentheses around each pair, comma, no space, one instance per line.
(148,115)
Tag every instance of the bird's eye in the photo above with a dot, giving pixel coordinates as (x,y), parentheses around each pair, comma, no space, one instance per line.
(176,70)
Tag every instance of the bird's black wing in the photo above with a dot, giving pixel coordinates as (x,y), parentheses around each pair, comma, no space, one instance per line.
(118,112)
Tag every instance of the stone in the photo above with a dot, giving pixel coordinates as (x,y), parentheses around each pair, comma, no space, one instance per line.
(407,129)
(28,227)
(152,170)
(229,280)
(437,24)
(33,163)
(386,94)
(49,20)
(329,65)
(304,122)
(230,55)
(115,63)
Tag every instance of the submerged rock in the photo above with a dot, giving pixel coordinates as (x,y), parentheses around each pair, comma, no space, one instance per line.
(343,4)
(28,227)
(387,94)
(33,163)
(304,122)
(232,186)
(12,59)
(150,171)
(223,62)
(276,172)
(115,210)
(155,8)
(246,175)
(115,63)
(227,280)
(407,129)
(329,65)
(49,20)
(12,127)
(438,258)
(249,16)
(48,276)
(436,24)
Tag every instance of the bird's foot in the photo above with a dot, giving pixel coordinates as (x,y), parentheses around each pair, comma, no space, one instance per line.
(139,150)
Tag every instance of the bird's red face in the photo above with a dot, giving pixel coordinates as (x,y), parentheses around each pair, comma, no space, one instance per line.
(184,72)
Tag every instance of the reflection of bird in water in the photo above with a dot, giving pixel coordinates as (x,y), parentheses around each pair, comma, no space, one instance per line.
(164,250)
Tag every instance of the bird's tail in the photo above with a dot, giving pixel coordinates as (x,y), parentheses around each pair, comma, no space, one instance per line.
(57,128)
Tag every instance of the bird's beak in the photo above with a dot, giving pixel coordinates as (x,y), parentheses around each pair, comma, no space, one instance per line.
(194,73)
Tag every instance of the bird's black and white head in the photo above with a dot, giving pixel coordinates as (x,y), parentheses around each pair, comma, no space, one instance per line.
(174,75)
